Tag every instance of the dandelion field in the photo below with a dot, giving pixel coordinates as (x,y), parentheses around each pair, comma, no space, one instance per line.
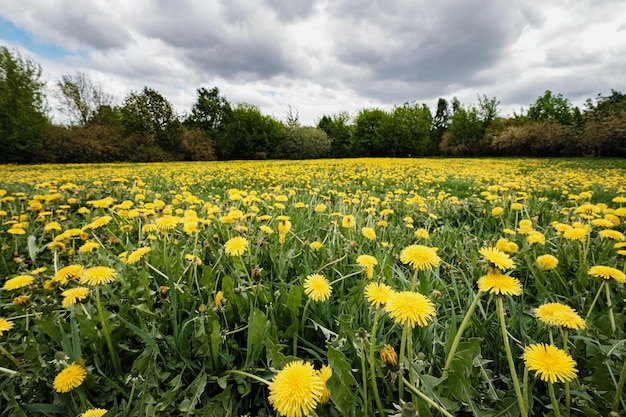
(468,287)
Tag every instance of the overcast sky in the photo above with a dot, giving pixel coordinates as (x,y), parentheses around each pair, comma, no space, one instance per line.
(323,57)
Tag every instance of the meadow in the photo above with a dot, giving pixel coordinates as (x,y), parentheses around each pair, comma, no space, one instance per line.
(467,287)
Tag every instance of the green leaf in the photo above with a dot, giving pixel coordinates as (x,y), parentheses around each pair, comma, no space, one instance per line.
(342,384)
(142,334)
(257,329)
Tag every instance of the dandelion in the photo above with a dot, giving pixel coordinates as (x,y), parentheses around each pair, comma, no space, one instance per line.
(97,275)
(497,258)
(367,262)
(69,378)
(316,246)
(88,247)
(137,254)
(348,221)
(496,211)
(73,295)
(377,294)
(536,238)
(325,373)
(612,234)
(16,231)
(607,272)
(236,246)
(411,308)
(296,390)
(420,257)
(550,363)
(389,356)
(421,233)
(547,261)
(576,233)
(98,222)
(317,287)
(21,300)
(517,206)
(283,228)
(5,325)
(17,282)
(166,223)
(557,314)
(368,233)
(66,273)
(52,226)
(320,207)
(219,299)
(266,229)
(499,284)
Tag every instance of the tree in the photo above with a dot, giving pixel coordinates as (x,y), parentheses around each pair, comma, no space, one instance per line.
(440,123)
(553,108)
(408,130)
(339,131)
(368,138)
(306,143)
(23,117)
(250,134)
(80,99)
(210,112)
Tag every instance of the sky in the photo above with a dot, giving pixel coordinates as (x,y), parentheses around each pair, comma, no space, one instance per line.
(324,57)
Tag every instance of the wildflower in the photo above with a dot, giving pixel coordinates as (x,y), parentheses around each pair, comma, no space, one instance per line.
(88,247)
(320,207)
(52,226)
(98,222)
(517,206)
(410,308)
(193,259)
(536,237)
(558,314)
(64,274)
(497,259)
(69,378)
(389,356)
(97,275)
(5,325)
(607,272)
(377,294)
(367,262)
(266,229)
(317,245)
(612,234)
(283,228)
(236,246)
(325,373)
(348,222)
(420,257)
(496,211)
(317,287)
(137,254)
(219,299)
(499,284)
(166,223)
(21,300)
(547,262)
(576,233)
(505,245)
(19,281)
(421,233)
(368,233)
(16,231)
(296,390)
(550,363)
(73,295)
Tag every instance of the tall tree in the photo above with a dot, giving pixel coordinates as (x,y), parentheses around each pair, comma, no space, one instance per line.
(339,131)
(441,121)
(211,112)
(23,117)
(80,98)
(552,107)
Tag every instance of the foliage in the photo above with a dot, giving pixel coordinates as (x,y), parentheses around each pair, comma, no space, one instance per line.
(305,143)
(81,99)
(552,107)
(22,108)
(339,132)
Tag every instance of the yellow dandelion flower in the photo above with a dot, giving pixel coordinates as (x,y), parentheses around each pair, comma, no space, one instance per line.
(236,246)
(497,258)
(97,275)
(536,238)
(320,208)
(98,222)
(576,233)
(557,314)
(348,221)
(550,363)
(325,373)
(607,272)
(88,247)
(5,325)
(21,300)
(377,294)
(166,222)
(389,356)
(283,228)
(420,257)
(612,234)
(367,262)
(547,261)
(316,245)
(73,295)
(94,412)
(19,281)
(219,299)
(421,233)
(266,229)
(16,231)
(496,211)
(137,254)
(317,287)
(296,390)
(52,226)
(517,206)
(369,233)
(500,284)
(66,273)
(69,378)
(411,308)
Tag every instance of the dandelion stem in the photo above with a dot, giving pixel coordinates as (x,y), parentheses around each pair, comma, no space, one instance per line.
(593,303)
(10,357)
(238,372)
(303,320)
(459,334)
(409,342)
(425,398)
(620,388)
(610,305)
(509,356)
(372,365)
(8,371)
(568,399)
(401,362)
(107,336)
(130,398)
(332,263)
(363,377)
(555,405)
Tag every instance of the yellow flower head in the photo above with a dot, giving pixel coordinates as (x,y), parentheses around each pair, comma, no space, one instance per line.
(88,247)
(377,294)
(19,281)
(296,389)
(325,373)
(348,221)
(497,258)
(420,257)
(69,378)
(368,233)
(500,284)
(94,412)
(576,233)
(496,211)
(317,287)
(316,245)
(612,234)
(66,273)
(167,222)
(236,246)
(219,299)
(421,233)
(547,261)
(607,272)
(73,295)
(367,262)
(389,356)
(550,363)
(283,228)
(557,314)
(5,325)
(97,275)
(137,254)
(411,308)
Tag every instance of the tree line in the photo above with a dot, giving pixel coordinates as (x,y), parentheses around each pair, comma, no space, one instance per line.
(145,127)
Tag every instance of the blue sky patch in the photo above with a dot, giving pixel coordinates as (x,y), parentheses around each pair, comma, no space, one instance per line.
(10,32)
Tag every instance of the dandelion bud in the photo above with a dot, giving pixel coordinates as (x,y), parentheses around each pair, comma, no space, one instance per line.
(389,356)
(163,289)
(202,308)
